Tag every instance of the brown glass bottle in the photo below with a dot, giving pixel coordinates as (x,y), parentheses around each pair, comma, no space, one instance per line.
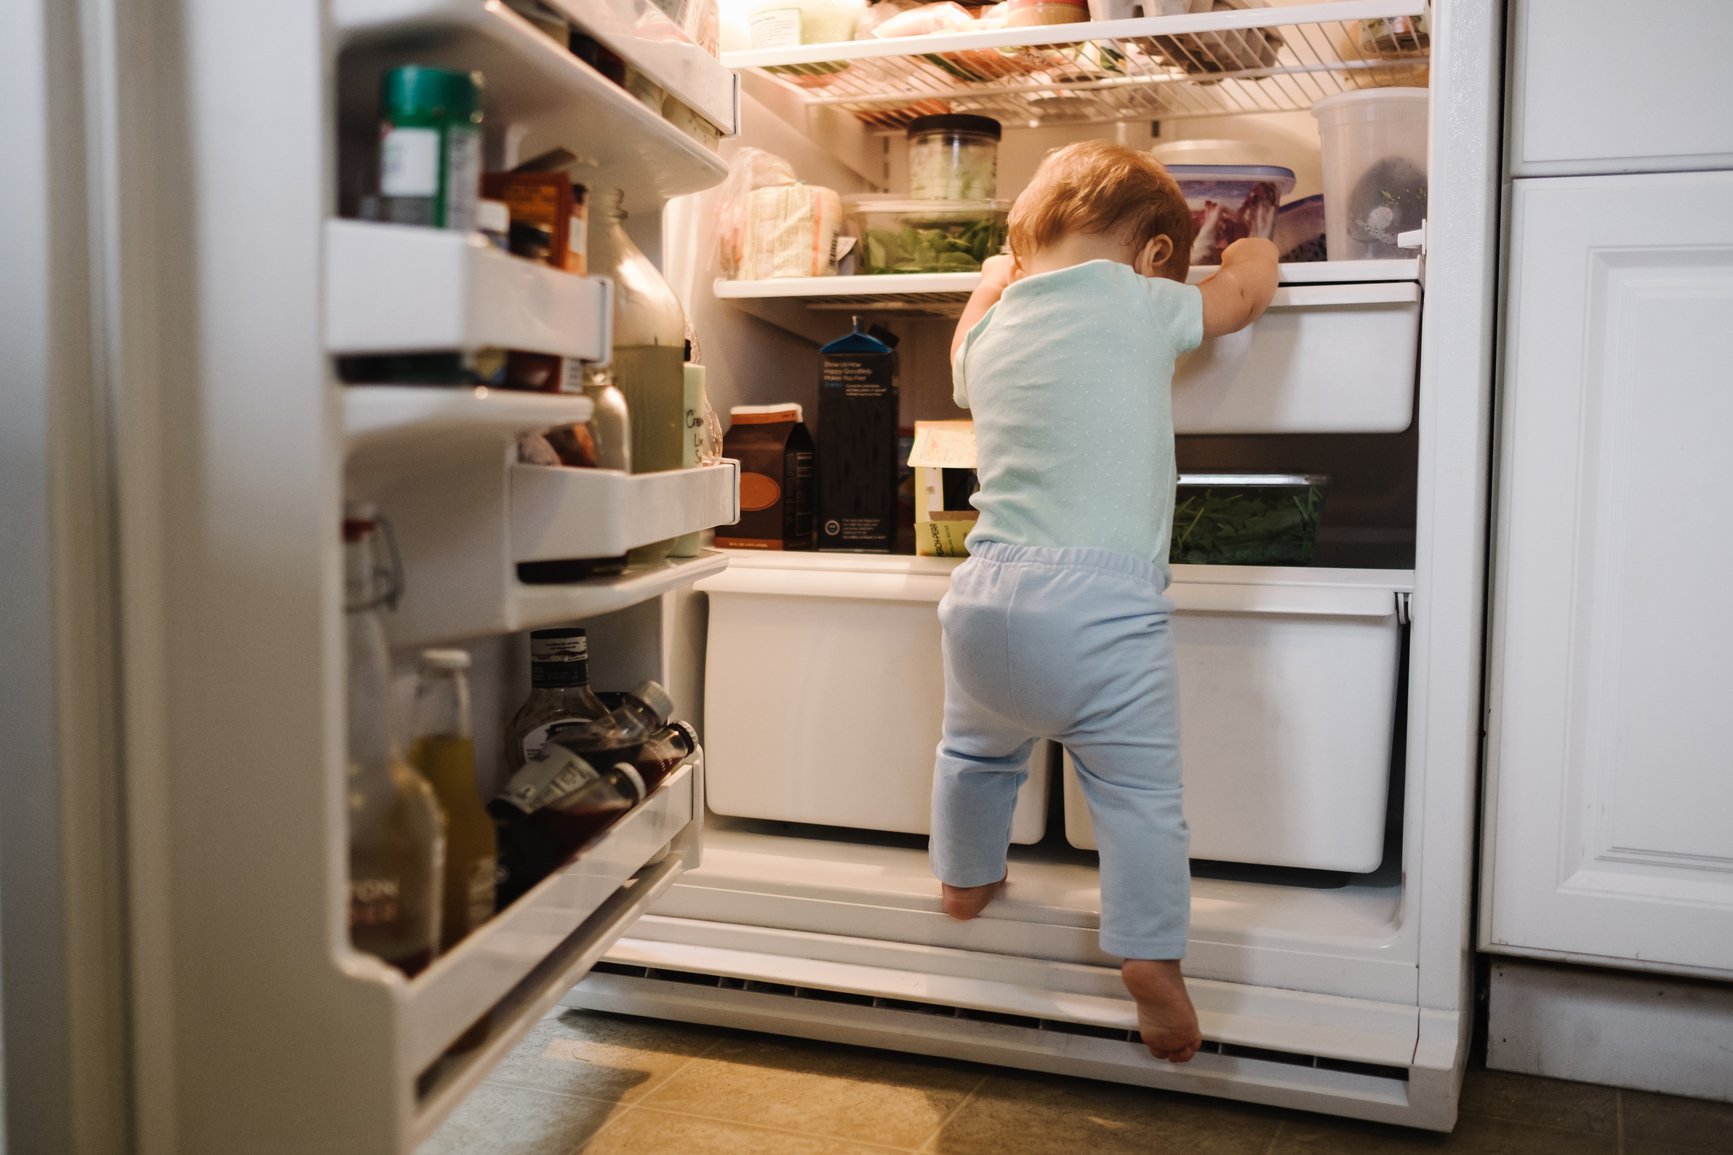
(559,694)
(665,752)
(555,805)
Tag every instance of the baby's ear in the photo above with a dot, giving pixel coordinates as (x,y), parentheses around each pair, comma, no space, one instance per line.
(1152,260)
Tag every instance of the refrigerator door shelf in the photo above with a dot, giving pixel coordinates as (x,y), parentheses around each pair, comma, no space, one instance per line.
(394,429)
(460,532)
(397,289)
(1287,714)
(528,79)
(559,513)
(824,693)
(641,33)
(515,966)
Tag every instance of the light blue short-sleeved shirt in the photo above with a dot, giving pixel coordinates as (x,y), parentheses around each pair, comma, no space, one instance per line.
(1069,379)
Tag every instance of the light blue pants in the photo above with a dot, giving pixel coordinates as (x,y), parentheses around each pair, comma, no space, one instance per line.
(1072,645)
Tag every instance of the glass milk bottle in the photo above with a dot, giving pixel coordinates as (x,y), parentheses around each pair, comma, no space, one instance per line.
(649,347)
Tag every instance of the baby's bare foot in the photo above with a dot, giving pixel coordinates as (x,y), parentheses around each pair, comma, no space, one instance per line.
(1165,1017)
(965,902)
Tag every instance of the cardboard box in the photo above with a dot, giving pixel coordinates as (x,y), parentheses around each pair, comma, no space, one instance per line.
(857,443)
(944,459)
(775,455)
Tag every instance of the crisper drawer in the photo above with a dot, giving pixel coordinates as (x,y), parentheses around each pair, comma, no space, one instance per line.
(1288,684)
(824,693)
(1322,359)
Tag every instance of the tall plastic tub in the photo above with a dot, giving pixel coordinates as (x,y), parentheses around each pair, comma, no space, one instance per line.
(1374,144)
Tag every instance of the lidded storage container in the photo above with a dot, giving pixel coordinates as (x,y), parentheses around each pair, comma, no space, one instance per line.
(953,157)
(1374,170)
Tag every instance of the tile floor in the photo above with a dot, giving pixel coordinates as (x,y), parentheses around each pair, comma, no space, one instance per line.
(608,1085)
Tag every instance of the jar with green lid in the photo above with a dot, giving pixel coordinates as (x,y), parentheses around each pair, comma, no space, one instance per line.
(430,146)
(953,157)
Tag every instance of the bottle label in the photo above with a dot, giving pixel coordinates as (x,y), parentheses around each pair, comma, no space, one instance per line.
(479,889)
(373,902)
(578,244)
(778,28)
(526,785)
(409,162)
(537,740)
(462,178)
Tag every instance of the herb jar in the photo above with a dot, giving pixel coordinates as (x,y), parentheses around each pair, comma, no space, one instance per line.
(953,157)
(430,146)
(1024,13)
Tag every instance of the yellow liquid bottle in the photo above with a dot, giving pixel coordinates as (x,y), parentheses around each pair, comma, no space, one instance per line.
(443,752)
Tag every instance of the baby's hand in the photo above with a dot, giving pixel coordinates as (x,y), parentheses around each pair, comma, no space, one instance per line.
(998,272)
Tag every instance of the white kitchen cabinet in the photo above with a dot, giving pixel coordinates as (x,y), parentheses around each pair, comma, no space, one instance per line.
(1610,779)
(1610,86)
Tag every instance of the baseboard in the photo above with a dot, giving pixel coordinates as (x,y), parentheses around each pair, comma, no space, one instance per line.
(1645,1032)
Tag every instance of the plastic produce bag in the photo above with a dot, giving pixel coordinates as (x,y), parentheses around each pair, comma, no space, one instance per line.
(772,225)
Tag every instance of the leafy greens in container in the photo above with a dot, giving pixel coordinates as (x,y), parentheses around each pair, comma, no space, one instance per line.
(1246,519)
(914,236)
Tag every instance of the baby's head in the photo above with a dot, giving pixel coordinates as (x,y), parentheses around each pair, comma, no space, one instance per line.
(1099,188)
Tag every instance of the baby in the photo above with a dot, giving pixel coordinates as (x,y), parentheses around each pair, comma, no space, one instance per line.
(1056,626)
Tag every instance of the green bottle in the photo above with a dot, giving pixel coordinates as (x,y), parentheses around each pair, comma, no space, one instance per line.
(430,147)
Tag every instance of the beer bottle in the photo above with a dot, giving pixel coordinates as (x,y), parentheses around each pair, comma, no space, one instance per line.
(443,750)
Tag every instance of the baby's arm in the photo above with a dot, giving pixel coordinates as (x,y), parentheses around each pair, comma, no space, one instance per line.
(1240,292)
(996,274)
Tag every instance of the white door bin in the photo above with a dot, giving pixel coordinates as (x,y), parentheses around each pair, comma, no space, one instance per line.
(1288,686)
(824,693)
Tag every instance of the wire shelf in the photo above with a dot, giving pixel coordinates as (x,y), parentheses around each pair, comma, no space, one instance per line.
(1244,60)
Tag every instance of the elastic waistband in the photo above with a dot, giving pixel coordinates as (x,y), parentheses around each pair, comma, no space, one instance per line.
(1067,557)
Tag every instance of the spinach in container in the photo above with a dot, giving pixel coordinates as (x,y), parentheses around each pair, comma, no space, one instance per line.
(1246,518)
(914,236)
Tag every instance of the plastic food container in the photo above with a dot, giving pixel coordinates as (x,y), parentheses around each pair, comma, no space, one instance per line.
(1246,518)
(1230,201)
(1212,152)
(913,236)
(1374,170)
(1299,234)
(1024,13)
(953,157)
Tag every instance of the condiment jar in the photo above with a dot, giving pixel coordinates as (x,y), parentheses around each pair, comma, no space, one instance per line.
(430,146)
(953,157)
(1023,13)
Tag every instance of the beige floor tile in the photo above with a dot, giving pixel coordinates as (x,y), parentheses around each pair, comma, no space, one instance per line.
(821,1089)
(644,1130)
(601,1056)
(1694,1123)
(497,1120)
(1546,1102)
(1474,1135)
(1017,1114)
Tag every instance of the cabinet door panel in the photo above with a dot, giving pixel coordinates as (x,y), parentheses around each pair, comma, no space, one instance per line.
(1611,798)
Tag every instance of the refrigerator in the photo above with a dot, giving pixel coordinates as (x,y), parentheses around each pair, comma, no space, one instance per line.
(186,267)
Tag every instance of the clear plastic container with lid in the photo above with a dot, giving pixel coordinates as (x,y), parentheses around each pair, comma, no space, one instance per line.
(953,157)
(1023,13)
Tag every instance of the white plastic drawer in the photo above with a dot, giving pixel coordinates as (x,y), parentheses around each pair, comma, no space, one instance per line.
(1605,86)
(1323,359)
(824,694)
(1288,682)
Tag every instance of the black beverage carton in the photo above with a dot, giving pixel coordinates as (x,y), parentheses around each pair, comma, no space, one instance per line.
(857,442)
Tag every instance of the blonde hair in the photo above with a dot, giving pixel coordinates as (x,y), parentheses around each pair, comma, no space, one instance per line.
(1097,186)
